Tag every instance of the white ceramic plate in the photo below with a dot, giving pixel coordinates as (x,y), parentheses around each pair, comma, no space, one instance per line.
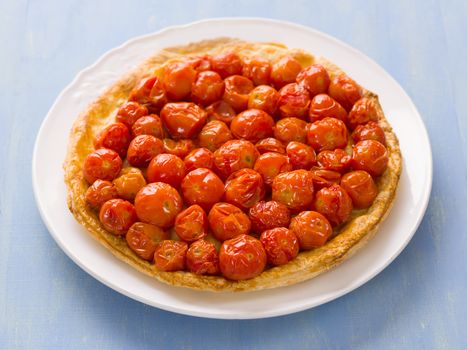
(395,233)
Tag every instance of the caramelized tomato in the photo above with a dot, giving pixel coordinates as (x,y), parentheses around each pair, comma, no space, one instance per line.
(103,164)
(115,137)
(334,203)
(234,155)
(226,64)
(150,93)
(178,79)
(285,71)
(199,158)
(203,187)
(265,98)
(268,215)
(221,111)
(360,187)
(244,188)
(315,79)
(270,164)
(237,90)
(142,149)
(301,156)
(100,192)
(227,221)
(207,88)
(290,129)
(183,120)
(129,182)
(202,258)
(170,255)
(281,245)
(213,135)
(130,112)
(327,134)
(270,144)
(324,106)
(369,131)
(345,91)
(178,148)
(370,156)
(252,125)
(257,69)
(294,101)
(143,238)
(294,189)
(149,125)
(166,168)
(363,111)
(191,224)
(324,178)
(117,216)
(336,160)
(311,228)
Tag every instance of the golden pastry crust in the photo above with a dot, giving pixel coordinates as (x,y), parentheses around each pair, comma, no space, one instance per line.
(352,236)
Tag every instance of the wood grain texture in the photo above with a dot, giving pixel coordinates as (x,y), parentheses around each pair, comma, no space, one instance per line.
(419,301)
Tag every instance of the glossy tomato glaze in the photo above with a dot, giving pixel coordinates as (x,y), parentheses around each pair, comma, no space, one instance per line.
(228,165)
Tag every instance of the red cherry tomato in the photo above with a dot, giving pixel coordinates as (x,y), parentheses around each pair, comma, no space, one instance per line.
(294,189)
(327,134)
(337,160)
(202,258)
(199,158)
(237,90)
(265,98)
(315,79)
(290,129)
(149,125)
(143,238)
(170,255)
(207,88)
(301,156)
(227,221)
(183,120)
(271,164)
(214,134)
(142,149)
(334,203)
(244,188)
(103,164)
(226,64)
(268,215)
(324,178)
(203,187)
(178,78)
(242,258)
(270,144)
(294,101)
(129,182)
(158,203)
(191,224)
(281,245)
(345,91)
(311,228)
(360,187)
(150,93)
(178,148)
(130,112)
(257,69)
(370,156)
(285,71)
(369,131)
(100,192)
(363,111)
(200,63)
(324,106)
(166,168)
(252,125)
(221,111)
(234,155)
(117,216)
(115,137)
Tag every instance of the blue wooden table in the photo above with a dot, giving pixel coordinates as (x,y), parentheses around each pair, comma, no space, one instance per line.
(419,301)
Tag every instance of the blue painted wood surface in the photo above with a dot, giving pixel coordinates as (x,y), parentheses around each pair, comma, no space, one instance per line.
(419,301)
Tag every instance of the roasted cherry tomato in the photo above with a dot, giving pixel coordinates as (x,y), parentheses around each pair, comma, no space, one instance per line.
(199,158)
(191,224)
(226,64)
(257,69)
(369,131)
(200,63)
(100,192)
(142,149)
(345,91)
(143,238)
(370,156)
(183,120)
(328,133)
(334,203)
(281,245)
(170,255)
(242,258)
(203,187)
(227,221)
(271,164)
(129,182)
(244,188)
(311,228)
(324,178)
(294,189)
(264,97)
(213,135)
(285,71)
(103,164)
(252,125)
(115,137)
(268,215)
(301,156)
(324,106)
(149,125)
(178,148)
(363,111)
(290,129)
(202,258)
(237,90)
(158,203)
(270,144)
(315,79)
(150,93)
(294,101)
(221,111)
(117,216)
(234,155)
(360,187)
(166,168)
(130,112)
(178,79)
(207,88)
(336,160)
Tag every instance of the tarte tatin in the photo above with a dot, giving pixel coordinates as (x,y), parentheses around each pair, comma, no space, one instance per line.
(227,165)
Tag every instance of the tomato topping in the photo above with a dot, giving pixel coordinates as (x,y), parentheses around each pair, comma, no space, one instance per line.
(370,156)
(170,255)
(294,101)
(360,187)
(311,228)
(130,181)
(280,244)
(345,91)
(334,203)
(191,224)
(143,238)
(203,187)
(252,125)
(130,112)
(103,164)
(268,215)
(363,111)
(227,221)
(270,144)
(142,149)
(337,160)
(244,188)
(242,257)
(150,93)
(158,203)
(315,79)
(327,134)
(178,148)
(226,64)
(369,131)
(234,155)
(257,69)
(178,79)
(324,106)
(290,129)
(202,258)
(324,178)
(200,63)
(166,168)
(285,71)
(221,111)
(237,90)
(183,120)
(270,164)
(149,125)
(294,189)
(207,88)
(265,98)
(117,216)
(214,134)
(100,192)
(199,158)
(301,156)
(115,137)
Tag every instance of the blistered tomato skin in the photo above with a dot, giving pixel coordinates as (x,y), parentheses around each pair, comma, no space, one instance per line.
(166,168)
(363,111)
(252,125)
(130,112)
(143,238)
(285,71)
(301,156)
(360,187)
(315,79)
(199,158)
(150,93)
(369,131)
(324,178)
(203,187)
(178,148)
(244,188)
(270,144)
(234,155)
(265,98)
(142,149)
(294,189)
(281,245)
(336,160)
(242,258)
(183,120)
(290,129)
(271,164)
(237,90)
(115,137)
(178,80)
(228,221)
(191,224)
(102,164)
(226,64)
(207,88)
(149,125)
(324,106)
(268,215)
(129,182)
(221,111)
(294,101)
(117,216)
(370,156)
(170,255)
(327,134)
(334,203)
(258,70)
(311,228)
(213,135)
(158,204)
(100,192)
(345,91)
(202,258)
